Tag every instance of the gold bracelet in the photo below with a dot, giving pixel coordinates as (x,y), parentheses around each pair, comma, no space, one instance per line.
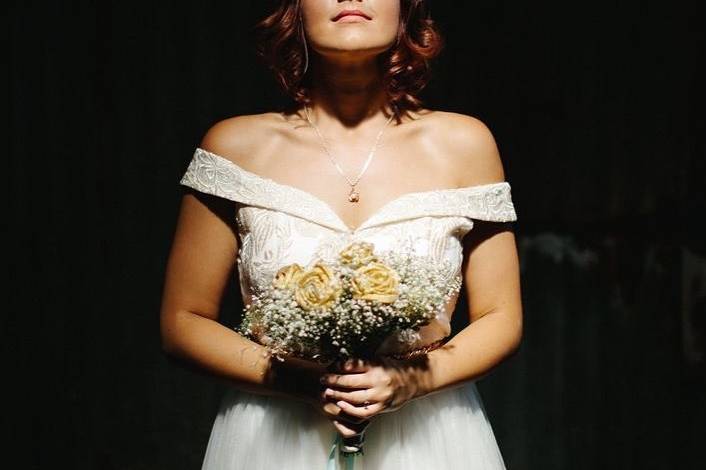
(418,351)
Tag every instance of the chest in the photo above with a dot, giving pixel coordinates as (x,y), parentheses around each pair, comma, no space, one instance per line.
(400,167)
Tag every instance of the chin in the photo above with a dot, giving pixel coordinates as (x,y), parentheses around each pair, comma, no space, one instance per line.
(363,45)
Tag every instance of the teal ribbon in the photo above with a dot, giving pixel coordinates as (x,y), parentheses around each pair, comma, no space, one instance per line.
(331,465)
(348,458)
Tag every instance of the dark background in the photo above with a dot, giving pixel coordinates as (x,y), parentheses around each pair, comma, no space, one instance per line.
(598,110)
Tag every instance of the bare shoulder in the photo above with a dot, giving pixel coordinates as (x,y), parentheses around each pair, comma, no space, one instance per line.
(470,145)
(241,138)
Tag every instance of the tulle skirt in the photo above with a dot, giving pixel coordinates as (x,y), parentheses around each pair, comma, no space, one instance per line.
(447,430)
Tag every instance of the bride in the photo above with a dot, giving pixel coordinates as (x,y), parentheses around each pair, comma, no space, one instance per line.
(356,158)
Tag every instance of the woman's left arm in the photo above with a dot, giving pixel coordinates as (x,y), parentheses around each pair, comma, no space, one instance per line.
(492,285)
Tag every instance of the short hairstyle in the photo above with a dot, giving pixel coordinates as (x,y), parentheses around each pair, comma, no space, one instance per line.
(405,65)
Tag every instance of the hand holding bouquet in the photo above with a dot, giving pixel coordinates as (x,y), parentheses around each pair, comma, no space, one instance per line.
(345,308)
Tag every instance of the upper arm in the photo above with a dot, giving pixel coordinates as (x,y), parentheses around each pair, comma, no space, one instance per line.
(203,250)
(491,266)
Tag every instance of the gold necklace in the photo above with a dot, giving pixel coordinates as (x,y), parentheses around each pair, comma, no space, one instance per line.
(353,195)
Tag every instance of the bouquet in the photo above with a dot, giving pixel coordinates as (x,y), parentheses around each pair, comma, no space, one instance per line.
(347,307)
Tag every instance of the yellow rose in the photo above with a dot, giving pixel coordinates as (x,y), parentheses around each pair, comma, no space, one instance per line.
(317,287)
(357,254)
(287,276)
(375,281)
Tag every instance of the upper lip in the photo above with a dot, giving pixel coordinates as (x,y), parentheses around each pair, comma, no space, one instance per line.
(343,13)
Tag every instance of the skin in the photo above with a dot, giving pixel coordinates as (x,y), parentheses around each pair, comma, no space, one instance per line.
(428,150)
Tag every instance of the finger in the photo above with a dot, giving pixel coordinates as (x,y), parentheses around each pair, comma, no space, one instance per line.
(361,412)
(340,365)
(344,430)
(333,411)
(351,365)
(355,380)
(348,430)
(356,397)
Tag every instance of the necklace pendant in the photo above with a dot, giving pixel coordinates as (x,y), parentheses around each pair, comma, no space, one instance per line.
(353,196)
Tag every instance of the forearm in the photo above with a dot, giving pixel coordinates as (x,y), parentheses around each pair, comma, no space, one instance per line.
(472,353)
(228,355)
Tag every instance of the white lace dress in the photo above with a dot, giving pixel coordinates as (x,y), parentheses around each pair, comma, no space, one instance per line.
(279,224)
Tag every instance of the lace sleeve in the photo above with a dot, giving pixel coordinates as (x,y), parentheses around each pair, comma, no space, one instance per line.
(490,202)
(212,175)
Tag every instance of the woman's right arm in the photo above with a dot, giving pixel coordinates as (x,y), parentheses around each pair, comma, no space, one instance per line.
(200,263)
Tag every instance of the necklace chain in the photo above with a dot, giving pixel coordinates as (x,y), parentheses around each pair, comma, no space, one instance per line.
(353,195)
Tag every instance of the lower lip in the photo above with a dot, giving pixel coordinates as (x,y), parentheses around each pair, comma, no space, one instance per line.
(351,19)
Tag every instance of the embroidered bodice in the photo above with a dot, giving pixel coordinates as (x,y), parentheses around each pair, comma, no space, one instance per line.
(279,224)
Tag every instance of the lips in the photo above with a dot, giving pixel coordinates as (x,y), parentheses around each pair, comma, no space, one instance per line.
(343,13)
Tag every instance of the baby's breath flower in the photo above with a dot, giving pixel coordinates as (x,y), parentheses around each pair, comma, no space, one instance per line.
(350,305)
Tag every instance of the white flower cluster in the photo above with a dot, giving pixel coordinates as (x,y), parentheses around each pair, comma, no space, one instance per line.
(348,306)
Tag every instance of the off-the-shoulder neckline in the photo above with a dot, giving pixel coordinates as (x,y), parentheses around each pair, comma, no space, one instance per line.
(385,206)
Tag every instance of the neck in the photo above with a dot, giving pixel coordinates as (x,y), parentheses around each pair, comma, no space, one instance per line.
(349,92)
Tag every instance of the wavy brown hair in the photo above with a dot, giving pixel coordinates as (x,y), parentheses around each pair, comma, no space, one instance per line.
(406,64)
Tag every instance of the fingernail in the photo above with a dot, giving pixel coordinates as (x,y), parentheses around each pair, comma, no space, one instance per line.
(341,403)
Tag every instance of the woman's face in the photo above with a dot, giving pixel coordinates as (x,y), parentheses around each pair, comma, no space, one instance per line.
(350,36)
